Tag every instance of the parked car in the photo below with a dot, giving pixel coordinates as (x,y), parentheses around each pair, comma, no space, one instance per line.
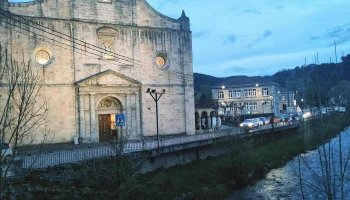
(276,120)
(264,120)
(339,109)
(6,152)
(250,123)
(281,118)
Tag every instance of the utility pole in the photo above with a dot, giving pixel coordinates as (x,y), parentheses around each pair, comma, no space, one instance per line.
(156,96)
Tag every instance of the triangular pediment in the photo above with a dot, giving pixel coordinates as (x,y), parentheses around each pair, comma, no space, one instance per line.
(108,78)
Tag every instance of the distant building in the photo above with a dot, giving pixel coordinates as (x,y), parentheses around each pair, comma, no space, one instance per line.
(250,95)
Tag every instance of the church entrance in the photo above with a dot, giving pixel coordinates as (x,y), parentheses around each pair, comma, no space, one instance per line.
(104,125)
(107,109)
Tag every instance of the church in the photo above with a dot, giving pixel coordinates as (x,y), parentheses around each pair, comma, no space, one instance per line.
(107,67)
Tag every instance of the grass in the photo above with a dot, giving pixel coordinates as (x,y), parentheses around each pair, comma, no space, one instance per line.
(212,179)
(215,178)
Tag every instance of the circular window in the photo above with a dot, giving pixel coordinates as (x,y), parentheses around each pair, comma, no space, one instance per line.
(160,61)
(42,57)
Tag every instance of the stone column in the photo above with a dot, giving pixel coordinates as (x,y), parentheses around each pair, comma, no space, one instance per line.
(93,125)
(138,114)
(218,122)
(209,122)
(82,133)
(128,114)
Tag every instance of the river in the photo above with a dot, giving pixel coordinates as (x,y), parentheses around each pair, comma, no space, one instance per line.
(283,183)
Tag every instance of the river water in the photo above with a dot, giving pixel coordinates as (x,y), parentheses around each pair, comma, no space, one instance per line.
(284,183)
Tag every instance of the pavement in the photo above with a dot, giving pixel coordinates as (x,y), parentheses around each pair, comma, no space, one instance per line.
(57,147)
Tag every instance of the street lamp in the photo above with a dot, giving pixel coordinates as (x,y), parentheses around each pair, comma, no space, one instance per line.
(156,96)
(302,104)
(273,114)
(271,98)
(296,101)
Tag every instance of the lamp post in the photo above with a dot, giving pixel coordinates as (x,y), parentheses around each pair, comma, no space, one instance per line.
(272,120)
(302,105)
(156,96)
(271,98)
(296,101)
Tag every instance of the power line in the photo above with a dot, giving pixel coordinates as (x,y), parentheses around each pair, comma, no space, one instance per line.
(60,34)
(177,75)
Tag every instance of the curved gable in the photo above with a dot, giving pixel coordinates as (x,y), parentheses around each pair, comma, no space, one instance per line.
(148,16)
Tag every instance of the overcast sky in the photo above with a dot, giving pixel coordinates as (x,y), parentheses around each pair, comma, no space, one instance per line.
(261,37)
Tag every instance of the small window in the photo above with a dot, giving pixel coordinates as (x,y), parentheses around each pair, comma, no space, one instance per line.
(265,91)
(108,53)
(105,1)
(234,94)
(220,95)
(161,60)
(250,92)
(42,57)
(252,106)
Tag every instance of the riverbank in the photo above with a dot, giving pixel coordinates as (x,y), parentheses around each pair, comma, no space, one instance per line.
(247,160)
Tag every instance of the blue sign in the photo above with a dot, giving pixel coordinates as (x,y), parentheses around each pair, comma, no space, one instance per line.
(120,119)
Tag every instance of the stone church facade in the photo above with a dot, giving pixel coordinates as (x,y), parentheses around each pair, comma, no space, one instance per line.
(96,60)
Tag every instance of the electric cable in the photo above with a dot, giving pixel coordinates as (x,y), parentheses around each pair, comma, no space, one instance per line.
(177,75)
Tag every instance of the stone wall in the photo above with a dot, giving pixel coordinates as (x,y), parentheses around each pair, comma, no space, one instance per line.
(74,33)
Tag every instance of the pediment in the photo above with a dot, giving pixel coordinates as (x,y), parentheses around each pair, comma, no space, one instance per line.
(108,78)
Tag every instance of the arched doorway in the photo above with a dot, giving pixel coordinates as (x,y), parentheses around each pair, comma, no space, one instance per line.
(204,120)
(197,120)
(213,119)
(106,111)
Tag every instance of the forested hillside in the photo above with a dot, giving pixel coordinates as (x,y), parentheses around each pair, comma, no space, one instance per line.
(320,82)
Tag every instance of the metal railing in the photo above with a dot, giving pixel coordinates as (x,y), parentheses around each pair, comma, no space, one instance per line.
(71,156)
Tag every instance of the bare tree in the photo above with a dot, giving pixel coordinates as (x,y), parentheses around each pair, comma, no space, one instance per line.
(329,177)
(23,110)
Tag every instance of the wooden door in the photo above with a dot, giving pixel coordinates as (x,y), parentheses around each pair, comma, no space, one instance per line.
(104,124)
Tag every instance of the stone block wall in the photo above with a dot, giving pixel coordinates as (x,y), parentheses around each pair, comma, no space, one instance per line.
(74,31)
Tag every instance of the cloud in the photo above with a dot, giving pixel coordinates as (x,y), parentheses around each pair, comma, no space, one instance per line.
(341,34)
(238,70)
(253,11)
(315,38)
(336,31)
(265,35)
(200,34)
(230,39)
(279,7)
